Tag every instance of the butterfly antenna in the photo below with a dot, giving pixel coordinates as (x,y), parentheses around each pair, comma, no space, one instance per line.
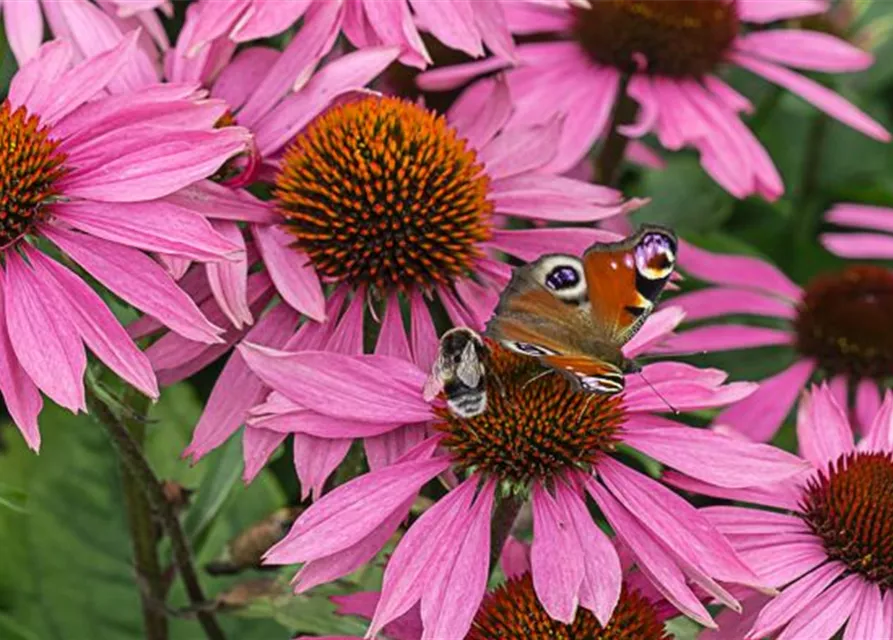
(658,394)
(538,376)
(589,398)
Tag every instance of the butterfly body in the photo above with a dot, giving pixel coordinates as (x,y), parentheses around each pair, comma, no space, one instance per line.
(575,315)
(459,371)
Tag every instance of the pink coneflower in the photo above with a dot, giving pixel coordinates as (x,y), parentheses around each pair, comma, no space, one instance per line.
(100,177)
(82,23)
(836,327)
(876,243)
(666,57)
(538,440)
(379,202)
(831,551)
(469,27)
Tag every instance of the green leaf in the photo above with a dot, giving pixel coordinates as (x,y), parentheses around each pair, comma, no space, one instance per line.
(225,466)
(683,197)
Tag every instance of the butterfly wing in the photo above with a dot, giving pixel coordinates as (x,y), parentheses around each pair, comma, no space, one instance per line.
(592,374)
(625,280)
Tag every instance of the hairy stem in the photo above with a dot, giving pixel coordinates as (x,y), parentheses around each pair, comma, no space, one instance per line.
(501,526)
(143,534)
(610,156)
(137,465)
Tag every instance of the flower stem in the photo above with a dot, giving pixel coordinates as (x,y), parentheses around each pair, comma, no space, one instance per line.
(610,156)
(504,516)
(138,467)
(144,536)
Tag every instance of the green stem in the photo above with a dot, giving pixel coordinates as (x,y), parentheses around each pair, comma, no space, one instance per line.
(610,156)
(132,457)
(501,526)
(812,163)
(144,536)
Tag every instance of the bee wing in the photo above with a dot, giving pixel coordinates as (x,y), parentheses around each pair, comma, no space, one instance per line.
(434,383)
(469,369)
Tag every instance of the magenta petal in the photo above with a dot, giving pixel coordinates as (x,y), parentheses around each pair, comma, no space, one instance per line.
(713,457)
(408,573)
(257,447)
(19,393)
(602,574)
(135,278)
(868,403)
(716,302)
(661,571)
(23,24)
(345,516)
(450,601)
(657,328)
(97,325)
(348,560)
(530,244)
(823,430)
(760,415)
(781,559)
(46,342)
(872,246)
(228,279)
(481,111)
(291,271)
(736,271)
(555,558)
(784,495)
(32,85)
(812,50)
(315,459)
(392,340)
(237,388)
(826,614)
(879,436)
(359,388)
(423,334)
(867,620)
(861,215)
(821,97)
(760,11)
(676,523)
(743,521)
(151,226)
(515,558)
(724,337)
(384,449)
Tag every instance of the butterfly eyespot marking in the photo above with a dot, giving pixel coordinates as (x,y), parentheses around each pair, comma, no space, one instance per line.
(655,256)
(527,349)
(602,384)
(563,276)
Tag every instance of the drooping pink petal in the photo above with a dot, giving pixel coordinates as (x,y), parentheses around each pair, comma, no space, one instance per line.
(392,22)
(95,323)
(712,457)
(451,77)
(408,574)
(384,449)
(819,96)
(257,447)
(218,202)
(459,580)
(392,340)
(482,110)
(135,278)
(45,341)
(423,334)
(811,50)
(724,337)
(675,522)
(602,574)
(861,215)
(530,244)
(736,271)
(20,394)
(826,614)
(349,513)
(151,226)
(656,330)
(515,557)
(237,388)
(32,85)
(794,599)
(555,558)
(291,271)
(680,394)
(760,415)
(504,155)
(742,521)
(349,387)
(315,459)
(867,620)
(716,302)
(823,431)
(23,26)
(267,19)
(661,571)
(871,246)
(228,279)
(348,560)
(760,11)
(452,23)
(781,559)
(782,495)
(879,435)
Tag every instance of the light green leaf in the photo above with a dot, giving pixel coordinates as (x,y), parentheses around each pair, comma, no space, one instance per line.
(13,498)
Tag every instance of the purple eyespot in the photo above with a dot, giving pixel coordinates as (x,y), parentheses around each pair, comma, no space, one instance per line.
(562,278)
(655,256)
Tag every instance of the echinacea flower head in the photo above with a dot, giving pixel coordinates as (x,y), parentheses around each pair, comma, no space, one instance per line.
(662,62)
(103,180)
(82,23)
(836,327)
(830,551)
(378,202)
(539,441)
